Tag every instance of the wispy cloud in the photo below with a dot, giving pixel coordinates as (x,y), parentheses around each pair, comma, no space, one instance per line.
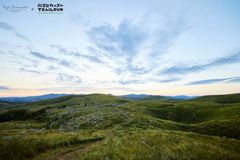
(134,81)
(141,81)
(63,50)
(12,29)
(62,62)
(68,78)
(123,39)
(185,69)
(133,45)
(65,63)
(52,68)
(6,26)
(31,71)
(15,55)
(4,88)
(21,36)
(216,80)
(234,80)
(165,80)
(42,56)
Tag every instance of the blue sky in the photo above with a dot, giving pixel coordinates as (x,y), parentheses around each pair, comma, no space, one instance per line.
(153,47)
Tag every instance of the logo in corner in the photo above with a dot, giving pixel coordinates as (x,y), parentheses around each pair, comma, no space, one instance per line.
(49,8)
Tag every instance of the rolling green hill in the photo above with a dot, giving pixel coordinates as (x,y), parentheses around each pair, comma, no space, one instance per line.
(6,105)
(98,126)
(230,98)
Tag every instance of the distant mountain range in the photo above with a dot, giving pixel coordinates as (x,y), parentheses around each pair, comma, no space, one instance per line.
(182,97)
(146,96)
(31,98)
(129,96)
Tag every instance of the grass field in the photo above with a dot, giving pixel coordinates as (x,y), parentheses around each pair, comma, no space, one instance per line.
(107,127)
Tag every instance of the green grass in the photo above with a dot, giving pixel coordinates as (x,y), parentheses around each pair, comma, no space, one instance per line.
(202,128)
(26,145)
(166,145)
(230,98)
(21,114)
(223,128)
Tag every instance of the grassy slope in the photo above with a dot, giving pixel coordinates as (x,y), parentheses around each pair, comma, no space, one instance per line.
(7,105)
(69,121)
(229,98)
(167,145)
(206,118)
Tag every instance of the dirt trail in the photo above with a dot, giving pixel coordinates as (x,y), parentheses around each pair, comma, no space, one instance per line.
(73,153)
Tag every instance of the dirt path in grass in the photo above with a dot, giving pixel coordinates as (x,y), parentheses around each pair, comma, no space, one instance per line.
(74,153)
(69,154)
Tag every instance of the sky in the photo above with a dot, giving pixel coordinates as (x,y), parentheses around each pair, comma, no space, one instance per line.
(159,47)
